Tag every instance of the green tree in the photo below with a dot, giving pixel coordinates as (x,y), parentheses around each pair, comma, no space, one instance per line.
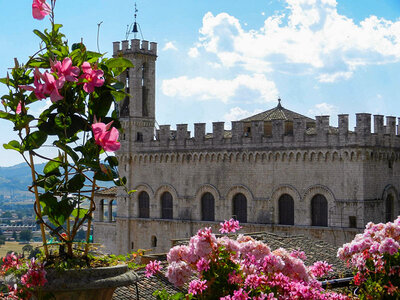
(25,235)
(14,235)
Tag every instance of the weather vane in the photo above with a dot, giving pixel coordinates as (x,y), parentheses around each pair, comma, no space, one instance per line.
(133,28)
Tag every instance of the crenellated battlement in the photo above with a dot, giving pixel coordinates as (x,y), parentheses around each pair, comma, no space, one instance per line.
(134,46)
(277,134)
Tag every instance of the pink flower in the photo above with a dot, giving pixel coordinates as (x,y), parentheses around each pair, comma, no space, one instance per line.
(152,268)
(92,77)
(19,108)
(229,226)
(320,268)
(203,264)
(65,69)
(106,137)
(39,86)
(197,286)
(40,9)
(52,86)
(389,245)
(178,273)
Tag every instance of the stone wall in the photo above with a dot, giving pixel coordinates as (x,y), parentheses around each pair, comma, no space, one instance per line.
(143,232)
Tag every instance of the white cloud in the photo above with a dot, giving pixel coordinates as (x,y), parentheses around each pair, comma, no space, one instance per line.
(255,88)
(237,113)
(170,46)
(193,52)
(326,77)
(323,109)
(312,34)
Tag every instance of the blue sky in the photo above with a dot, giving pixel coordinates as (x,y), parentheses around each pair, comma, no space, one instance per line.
(225,60)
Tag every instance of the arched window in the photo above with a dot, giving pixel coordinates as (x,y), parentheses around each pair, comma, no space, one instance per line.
(101,211)
(319,210)
(207,207)
(166,206)
(286,210)
(240,207)
(112,211)
(145,92)
(144,205)
(153,241)
(389,208)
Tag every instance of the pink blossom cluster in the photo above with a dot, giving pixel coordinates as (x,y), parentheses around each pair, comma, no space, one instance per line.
(30,274)
(40,9)
(254,271)
(375,257)
(230,226)
(49,84)
(373,243)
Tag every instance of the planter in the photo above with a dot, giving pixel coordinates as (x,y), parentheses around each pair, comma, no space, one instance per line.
(86,284)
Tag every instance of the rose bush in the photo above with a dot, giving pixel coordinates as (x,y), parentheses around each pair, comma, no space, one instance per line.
(375,257)
(242,268)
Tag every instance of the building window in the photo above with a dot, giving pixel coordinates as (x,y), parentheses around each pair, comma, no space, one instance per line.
(166,206)
(101,211)
(286,210)
(145,92)
(389,208)
(207,207)
(144,205)
(112,212)
(319,211)
(153,241)
(139,137)
(240,207)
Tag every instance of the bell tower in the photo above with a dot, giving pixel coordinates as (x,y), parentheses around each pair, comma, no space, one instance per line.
(137,112)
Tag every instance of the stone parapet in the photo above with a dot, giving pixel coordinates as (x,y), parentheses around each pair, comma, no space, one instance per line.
(134,47)
(253,136)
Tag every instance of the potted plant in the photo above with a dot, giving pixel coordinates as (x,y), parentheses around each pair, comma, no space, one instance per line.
(81,123)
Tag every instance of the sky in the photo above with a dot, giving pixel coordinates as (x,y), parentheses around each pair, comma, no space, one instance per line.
(225,60)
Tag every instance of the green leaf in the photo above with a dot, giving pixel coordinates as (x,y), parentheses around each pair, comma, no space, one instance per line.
(52,166)
(80,213)
(118,85)
(14,145)
(112,160)
(75,183)
(119,95)
(41,35)
(34,140)
(7,116)
(119,62)
(68,150)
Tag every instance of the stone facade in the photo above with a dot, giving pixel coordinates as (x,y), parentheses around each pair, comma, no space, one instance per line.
(277,171)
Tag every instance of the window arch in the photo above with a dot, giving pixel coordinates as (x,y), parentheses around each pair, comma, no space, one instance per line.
(207,207)
(153,241)
(389,203)
(144,205)
(319,211)
(240,207)
(286,210)
(166,206)
(101,210)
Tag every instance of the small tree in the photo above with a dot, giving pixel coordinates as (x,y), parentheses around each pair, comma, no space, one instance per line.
(25,235)
(14,235)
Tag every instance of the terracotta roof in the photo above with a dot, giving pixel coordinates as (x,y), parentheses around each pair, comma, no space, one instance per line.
(145,288)
(277,113)
(110,191)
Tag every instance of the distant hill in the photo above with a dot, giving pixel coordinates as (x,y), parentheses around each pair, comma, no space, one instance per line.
(15,180)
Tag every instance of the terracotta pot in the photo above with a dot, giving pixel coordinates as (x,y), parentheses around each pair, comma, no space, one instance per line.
(86,284)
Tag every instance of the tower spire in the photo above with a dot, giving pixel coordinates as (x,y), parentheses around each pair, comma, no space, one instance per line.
(134,28)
